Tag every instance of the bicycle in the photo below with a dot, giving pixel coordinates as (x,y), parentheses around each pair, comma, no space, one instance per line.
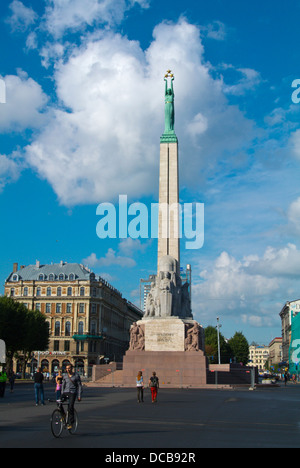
(60,420)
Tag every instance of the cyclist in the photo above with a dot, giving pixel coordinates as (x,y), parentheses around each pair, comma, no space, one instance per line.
(71,388)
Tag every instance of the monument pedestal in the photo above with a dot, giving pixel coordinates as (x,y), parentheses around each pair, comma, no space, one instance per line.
(172,347)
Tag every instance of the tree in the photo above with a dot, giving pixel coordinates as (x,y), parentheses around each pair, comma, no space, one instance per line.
(12,326)
(22,330)
(239,347)
(37,335)
(211,346)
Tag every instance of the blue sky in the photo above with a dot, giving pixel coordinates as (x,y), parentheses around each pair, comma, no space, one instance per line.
(81,125)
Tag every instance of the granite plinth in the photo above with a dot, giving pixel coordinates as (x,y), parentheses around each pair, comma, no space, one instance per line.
(173,368)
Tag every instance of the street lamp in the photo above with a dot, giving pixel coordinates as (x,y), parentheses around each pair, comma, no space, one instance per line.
(218,329)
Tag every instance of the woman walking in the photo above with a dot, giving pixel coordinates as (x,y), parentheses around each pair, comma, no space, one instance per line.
(140,387)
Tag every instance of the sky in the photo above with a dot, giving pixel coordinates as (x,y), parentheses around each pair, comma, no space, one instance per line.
(80,125)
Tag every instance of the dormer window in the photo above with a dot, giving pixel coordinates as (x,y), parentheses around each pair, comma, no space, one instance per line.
(51,277)
(15,278)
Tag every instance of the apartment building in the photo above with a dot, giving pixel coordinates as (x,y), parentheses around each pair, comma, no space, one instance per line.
(89,320)
(258,356)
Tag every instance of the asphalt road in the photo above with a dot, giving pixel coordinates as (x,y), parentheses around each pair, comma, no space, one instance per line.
(111,418)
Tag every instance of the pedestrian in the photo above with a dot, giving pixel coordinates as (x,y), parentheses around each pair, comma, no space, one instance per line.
(12,378)
(3,379)
(154,386)
(58,381)
(39,387)
(140,387)
(71,389)
(285,378)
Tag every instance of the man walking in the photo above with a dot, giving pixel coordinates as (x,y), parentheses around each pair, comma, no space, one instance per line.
(154,385)
(39,387)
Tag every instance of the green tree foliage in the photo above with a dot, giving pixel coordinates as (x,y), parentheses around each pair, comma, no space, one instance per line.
(235,350)
(22,330)
(211,346)
(239,347)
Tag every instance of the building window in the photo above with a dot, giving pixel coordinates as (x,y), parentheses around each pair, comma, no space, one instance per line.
(94,292)
(48,308)
(57,329)
(38,292)
(49,291)
(61,277)
(56,345)
(41,277)
(80,328)
(68,329)
(12,292)
(67,346)
(58,308)
(25,292)
(51,277)
(81,308)
(69,308)
(71,277)
(94,309)
(82,292)
(58,293)
(38,306)
(93,328)
(69,292)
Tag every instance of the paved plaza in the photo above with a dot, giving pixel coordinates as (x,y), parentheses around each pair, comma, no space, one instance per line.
(111,418)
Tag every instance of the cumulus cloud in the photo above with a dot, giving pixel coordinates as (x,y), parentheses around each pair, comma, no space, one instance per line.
(10,169)
(110,259)
(21,17)
(252,289)
(25,104)
(64,15)
(104,138)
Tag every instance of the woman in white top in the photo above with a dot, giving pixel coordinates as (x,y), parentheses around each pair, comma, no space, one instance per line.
(140,387)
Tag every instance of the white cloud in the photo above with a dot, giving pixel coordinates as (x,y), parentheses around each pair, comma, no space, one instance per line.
(63,15)
(21,16)
(110,259)
(25,103)
(10,169)
(104,140)
(251,290)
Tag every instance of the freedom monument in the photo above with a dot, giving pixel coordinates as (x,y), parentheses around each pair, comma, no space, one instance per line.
(167,340)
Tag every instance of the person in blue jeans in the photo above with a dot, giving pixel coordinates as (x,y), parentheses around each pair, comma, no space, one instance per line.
(39,387)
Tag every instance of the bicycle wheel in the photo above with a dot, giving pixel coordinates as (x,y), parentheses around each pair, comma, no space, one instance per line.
(57,424)
(74,427)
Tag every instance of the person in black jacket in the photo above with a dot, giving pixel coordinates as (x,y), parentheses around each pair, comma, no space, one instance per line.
(39,387)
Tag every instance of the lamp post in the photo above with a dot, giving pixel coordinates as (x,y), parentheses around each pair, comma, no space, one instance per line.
(218,330)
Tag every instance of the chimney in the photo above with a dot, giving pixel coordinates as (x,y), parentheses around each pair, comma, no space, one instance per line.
(37,264)
(15,268)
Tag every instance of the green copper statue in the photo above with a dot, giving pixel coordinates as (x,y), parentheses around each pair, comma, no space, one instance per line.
(169,133)
(169,104)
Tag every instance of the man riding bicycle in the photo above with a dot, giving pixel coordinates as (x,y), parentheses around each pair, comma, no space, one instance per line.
(71,388)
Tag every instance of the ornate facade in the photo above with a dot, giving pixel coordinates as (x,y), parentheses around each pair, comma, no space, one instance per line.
(89,320)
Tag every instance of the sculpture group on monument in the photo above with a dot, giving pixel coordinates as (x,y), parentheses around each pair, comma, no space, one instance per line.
(167,339)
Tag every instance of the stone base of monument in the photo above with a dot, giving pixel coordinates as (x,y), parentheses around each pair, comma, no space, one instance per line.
(172,347)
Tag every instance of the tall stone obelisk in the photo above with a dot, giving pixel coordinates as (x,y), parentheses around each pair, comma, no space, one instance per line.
(167,339)
(168,222)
